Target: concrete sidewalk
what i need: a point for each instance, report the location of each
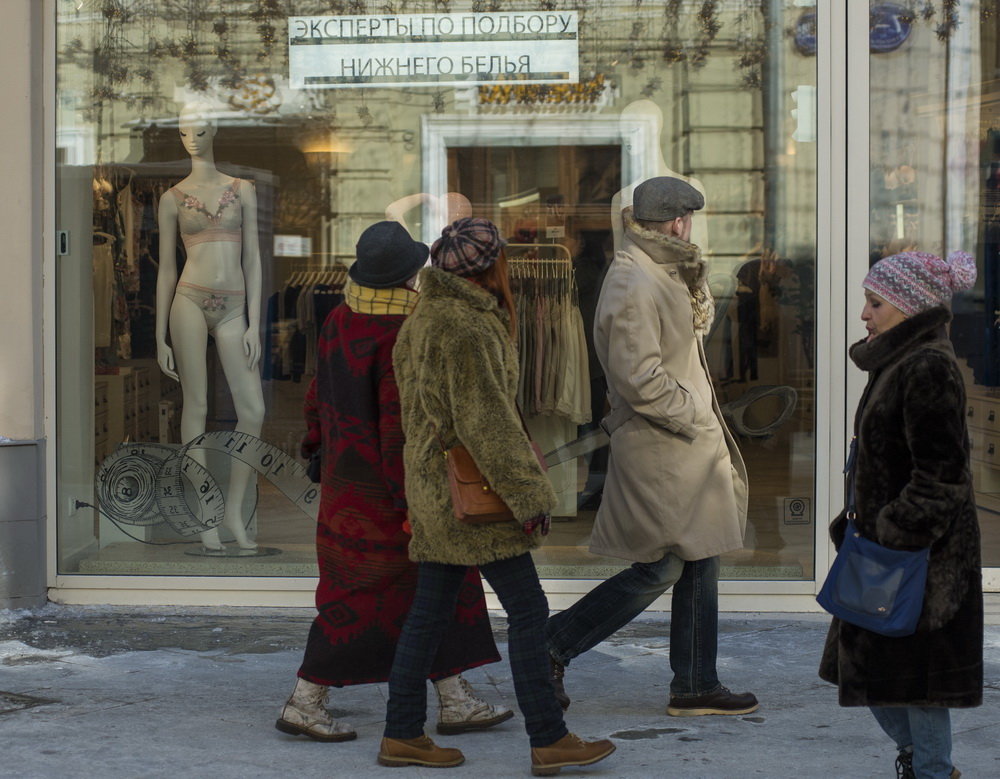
(154, 692)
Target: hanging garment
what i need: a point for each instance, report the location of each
(104, 283)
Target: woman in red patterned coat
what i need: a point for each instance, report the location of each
(366, 579)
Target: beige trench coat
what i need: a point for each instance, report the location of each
(676, 481)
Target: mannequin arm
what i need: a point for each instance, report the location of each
(395, 210)
(251, 273)
(166, 282)
(443, 210)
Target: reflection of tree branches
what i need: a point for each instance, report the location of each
(800, 294)
(710, 25)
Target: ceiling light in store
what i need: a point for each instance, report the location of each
(324, 142)
(520, 199)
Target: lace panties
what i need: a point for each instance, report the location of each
(217, 305)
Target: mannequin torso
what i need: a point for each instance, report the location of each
(218, 294)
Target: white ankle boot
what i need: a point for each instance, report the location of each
(461, 710)
(305, 714)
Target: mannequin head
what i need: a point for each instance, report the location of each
(457, 206)
(197, 128)
(644, 110)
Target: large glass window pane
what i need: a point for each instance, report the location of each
(541, 118)
(935, 157)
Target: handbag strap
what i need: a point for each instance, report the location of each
(852, 454)
(852, 458)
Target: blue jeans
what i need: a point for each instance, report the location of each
(924, 729)
(694, 618)
(515, 581)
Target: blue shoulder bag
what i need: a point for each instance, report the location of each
(871, 586)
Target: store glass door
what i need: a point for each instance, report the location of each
(935, 187)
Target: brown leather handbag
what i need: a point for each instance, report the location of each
(473, 500)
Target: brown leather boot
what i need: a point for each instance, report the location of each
(567, 751)
(397, 752)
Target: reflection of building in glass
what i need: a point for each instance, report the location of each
(723, 94)
(688, 89)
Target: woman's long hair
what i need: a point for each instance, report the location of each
(496, 279)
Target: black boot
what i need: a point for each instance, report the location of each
(904, 765)
(558, 672)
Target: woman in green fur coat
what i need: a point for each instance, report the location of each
(456, 367)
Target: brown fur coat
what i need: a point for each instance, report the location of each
(914, 489)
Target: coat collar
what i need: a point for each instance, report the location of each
(662, 249)
(686, 257)
(892, 344)
(437, 284)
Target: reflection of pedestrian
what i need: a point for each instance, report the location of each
(366, 579)
(675, 496)
(589, 268)
(457, 368)
(914, 490)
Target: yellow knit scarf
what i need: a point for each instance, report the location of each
(368, 300)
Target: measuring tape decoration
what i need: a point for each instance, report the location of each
(147, 484)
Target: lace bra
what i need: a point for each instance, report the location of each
(199, 225)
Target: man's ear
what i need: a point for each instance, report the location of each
(676, 226)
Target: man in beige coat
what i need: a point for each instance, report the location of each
(675, 497)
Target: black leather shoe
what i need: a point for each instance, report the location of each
(558, 672)
(719, 701)
(904, 766)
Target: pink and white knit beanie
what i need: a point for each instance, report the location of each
(916, 281)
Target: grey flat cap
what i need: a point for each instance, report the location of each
(665, 198)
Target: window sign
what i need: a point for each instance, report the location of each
(433, 49)
(292, 246)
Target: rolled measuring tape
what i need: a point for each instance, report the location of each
(148, 484)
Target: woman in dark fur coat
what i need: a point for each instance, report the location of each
(914, 490)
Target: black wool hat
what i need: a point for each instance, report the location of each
(386, 256)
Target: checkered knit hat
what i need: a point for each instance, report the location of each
(916, 281)
(467, 246)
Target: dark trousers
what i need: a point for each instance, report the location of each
(694, 617)
(515, 581)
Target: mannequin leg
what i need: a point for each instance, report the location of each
(248, 399)
(189, 337)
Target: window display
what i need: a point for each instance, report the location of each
(934, 161)
(222, 160)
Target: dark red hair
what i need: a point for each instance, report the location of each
(496, 279)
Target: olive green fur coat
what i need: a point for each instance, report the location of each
(457, 371)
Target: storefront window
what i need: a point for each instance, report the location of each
(320, 118)
(935, 186)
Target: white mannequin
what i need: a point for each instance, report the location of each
(442, 212)
(228, 265)
(645, 110)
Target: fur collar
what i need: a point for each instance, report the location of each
(671, 250)
(665, 249)
(891, 345)
(437, 284)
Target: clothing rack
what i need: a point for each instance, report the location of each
(309, 274)
(519, 254)
(541, 269)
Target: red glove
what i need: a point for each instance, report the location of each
(543, 521)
